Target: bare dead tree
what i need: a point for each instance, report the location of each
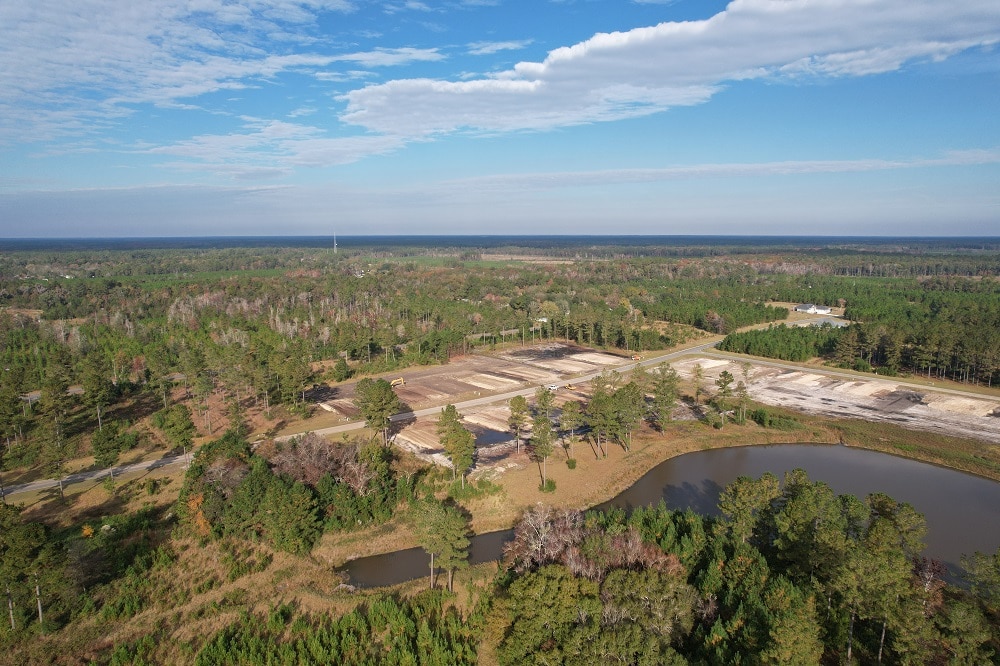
(543, 535)
(226, 474)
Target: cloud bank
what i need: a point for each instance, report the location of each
(613, 76)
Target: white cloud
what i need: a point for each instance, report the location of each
(303, 111)
(268, 149)
(72, 65)
(77, 67)
(390, 57)
(408, 5)
(646, 70)
(489, 48)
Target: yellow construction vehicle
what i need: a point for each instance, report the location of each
(399, 381)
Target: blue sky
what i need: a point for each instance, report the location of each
(309, 117)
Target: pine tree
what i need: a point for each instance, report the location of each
(106, 446)
(601, 418)
(518, 418)
(98, 390)
(458, 443)
(541, 441)
(794, 633)
(570, 420)
(746, 503)
(544, 399)
(629, 404)
(725, 386)
(377, 403)
(664, 395)
(698, 376)
(442, 530)
(340, 370)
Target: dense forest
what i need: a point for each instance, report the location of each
(104, 350)
(149, 313)
(943, 329)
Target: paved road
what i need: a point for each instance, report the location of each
(94, 475)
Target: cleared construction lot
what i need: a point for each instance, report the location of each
(474, 377)
(815, 391)
(829, 393)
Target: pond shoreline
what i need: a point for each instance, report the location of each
(606, 481)
(694, 480)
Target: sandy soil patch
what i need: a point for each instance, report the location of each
(488, 424)
(344, 407)
(420, 438)
(806, 390)
(860, 389)
(686, 366)
(913, 407)
(950, 403)
(491, 382)
(596, 358)
(495, 418)
(568, 366)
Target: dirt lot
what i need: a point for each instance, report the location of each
(820, 392)
(474, 377)
(826, 393)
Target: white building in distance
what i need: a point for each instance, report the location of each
(811, 308)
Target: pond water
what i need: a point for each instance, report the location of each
(962, 510)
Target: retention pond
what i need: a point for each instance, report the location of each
(961, 509)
